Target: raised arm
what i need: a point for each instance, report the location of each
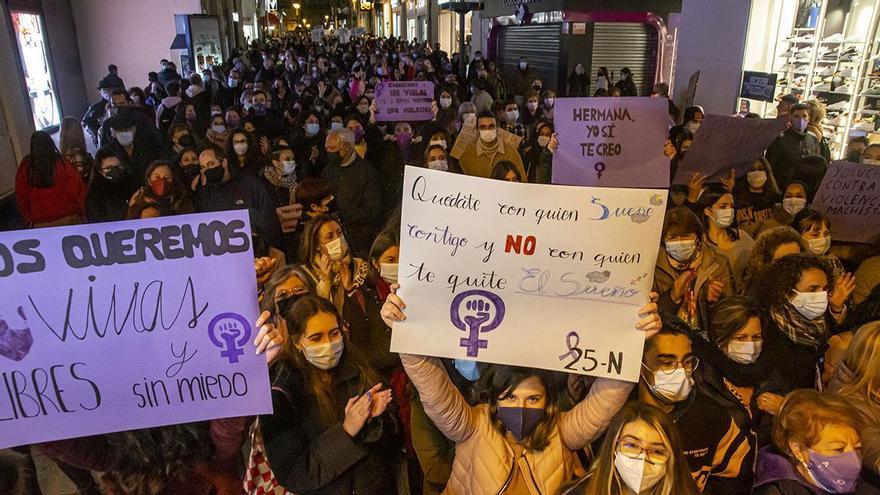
(442, 401)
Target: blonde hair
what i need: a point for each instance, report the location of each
(862, 359)
(816, 111)
(805, 413)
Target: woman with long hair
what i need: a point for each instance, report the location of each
(163, 194)
(722, 232)
(48, 190)
(330, 432)
(754, 195)
(327, 259)
(517, 438)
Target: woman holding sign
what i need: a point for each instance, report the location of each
(516, 440)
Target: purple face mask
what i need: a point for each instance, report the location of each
(835, 473)
(358, 135)
(520, 421)
(404, 140)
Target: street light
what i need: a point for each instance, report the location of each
(296, 7)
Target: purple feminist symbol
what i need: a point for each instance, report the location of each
(230, 332)
(15, 343)
(476, 317)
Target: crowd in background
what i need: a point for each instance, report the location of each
(761, 367)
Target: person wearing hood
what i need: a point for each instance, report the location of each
(112, 79)
(110, 188)
(167, 109)
(795, 143)
(266, 120)
(137, 144)
(739, 377)
(816, 448)
(201, 102)
(626, 84)
(168, 73)
(480, 158)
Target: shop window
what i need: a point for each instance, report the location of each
(38, 73)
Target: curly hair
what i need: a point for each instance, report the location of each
(765, 245)
(805, 413)
(777, 282)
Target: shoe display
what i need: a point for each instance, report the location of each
(863, 126)
(827, 71)
(834, 38)
(841, 105)
(846, 72)
(845, 89)
(802, 69)
(822, 87)
(802, 56)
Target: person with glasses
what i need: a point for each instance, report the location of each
(641, 455)
(709, 436)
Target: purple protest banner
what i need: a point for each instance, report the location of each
(611, 142)
(850, 196)
(408, 101)
(723, 143)
(126, 325)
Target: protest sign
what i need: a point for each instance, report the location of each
(404, 100)
(723, 142)
(850, 196)
(611, 142)
(533, 275)
(127, 325)
(758, 85)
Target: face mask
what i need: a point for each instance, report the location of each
(114, 174)
(439, 165)
(240, 148)
(757, 178)
(637, 473)
(324, 356)
(469, 118)
(388, 272)
(214, 175)
(744, 352)
(723, 218)
(358, 135)
(336, 125)
(288, 167)
(233, 123)
(334, 159)
(819, 246)
(549, 102)
(260, 108)
(445, 102)
(800, 125)
(364, 110)
(871, 161)
(693, 126)
(437, 143)
(219, 129)
(520, 421)
(512, 116)
(160, 187)
(125, 138)
(681, 251)
(404, 140)
(793, 205)
(523, 65)
(468, 369)
(190, 172)
(811, 305)
(532, 106)
(543, 141)
(336, 248)
(341, 83)
(232, 82)
(488, 135)
(312, 129)
(672, 387)
(135, 98)
(835, 473)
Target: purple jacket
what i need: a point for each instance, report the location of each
(775, 474)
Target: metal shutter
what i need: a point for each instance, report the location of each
(625, 44)
(540, 43)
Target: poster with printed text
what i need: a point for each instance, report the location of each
(408, 101)
(532, 275)
(850, 196)
(127, 325)
(611, 142)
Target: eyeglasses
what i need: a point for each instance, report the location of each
(631, 449)
(689, 364)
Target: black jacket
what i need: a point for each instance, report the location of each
(302, 152)
(311, 453)
(108, 201)
(786, 151)
(358, 193)
(243, 191)
(799, 366)
(91, 120)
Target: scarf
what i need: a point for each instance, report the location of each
(687, 312)
(488, 149)
(739, 374)
(798, 329)
(274, 177)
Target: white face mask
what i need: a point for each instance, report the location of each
(488, 135)
(523, 65)
(637, 473)
(336, 248)
(793, 205)
(125, 138)
(723, 218)
(388, 272)
(543, 141)
(469, 118)
(757, 178)
(532, 105)
(438, 143)
(693, 126)
(744, 352)
(240, 148)
(512, 116)
(445, 102)
(819, 246)
(681, 251)
(672, 387)
(439, 165)
(288, 167)
(811, 305)
(799, 125)
(324, 356)
(218, 128)
(232, 82)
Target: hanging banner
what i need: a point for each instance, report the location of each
(611, 142)
(723, 142)
(532, 275)
(408, 101)
(126, 325)
(850, 196)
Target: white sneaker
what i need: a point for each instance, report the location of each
(846, 72)
(827, 71)
(864, 126)
(834, 38)
(845, 89)
(841, 106)
(822, 87)
(802, 56)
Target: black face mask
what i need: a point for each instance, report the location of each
(186, 141)
(190, 172)
(214, 175)
(853, 156)
(114, 174)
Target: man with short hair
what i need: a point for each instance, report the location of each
(356, 188)
(786, 152)
(131, 141)
(522, 80)
(783, 108)
(488, 149)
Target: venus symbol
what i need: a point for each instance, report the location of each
(476, 312)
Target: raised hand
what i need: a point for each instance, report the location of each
(681, 284)
(392, 310)
(843, 287)
(649, 317)
(715, 290)
(270, 337)
(695, 187)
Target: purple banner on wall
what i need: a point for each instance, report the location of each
(611, 142)
(850, 196)
(408, 101)
(126, 325)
